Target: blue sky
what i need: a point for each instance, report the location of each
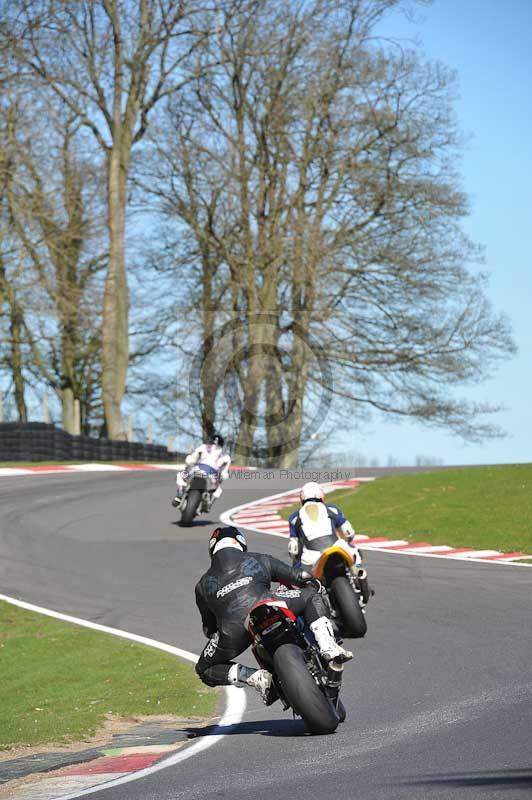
(488, 44)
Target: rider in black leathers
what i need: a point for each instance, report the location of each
(225, 593)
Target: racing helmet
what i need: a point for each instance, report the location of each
(311, 491)
(230, 532)
(217, 439)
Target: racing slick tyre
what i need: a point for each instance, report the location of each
(353, 622)
(302, 691)
(191, 507)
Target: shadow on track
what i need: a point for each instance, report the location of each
(509, 778)
(196, 523)
(266, 727)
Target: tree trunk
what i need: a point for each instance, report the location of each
(16, 361)
(69, 347)
(68, 411)
(286, 420)
(209, 371)
(116, 304)
(248, 418)
(291, 429)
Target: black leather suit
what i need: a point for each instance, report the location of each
(226, 592)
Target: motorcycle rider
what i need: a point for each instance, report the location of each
(235, 581)
(316, 526)
(211, 458)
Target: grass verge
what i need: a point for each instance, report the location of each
(59, 681)
(485, 508)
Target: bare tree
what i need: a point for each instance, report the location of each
(12, 357)
(111, 62)
(55, 220)
(314, 169)
(11, 308)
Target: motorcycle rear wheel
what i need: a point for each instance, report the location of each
(302, 691)
(191, 507)
(353, 621)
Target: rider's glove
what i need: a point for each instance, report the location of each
(301, 577)
(293, 546)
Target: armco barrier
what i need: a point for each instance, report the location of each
(39, 441)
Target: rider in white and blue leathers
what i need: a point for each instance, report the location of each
(212, 459)
(318, 525)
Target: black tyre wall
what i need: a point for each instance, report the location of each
(353, 621)
(302, 691)
(189, 512)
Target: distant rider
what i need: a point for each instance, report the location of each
(211, 458)
(316, 526)
(226, 592)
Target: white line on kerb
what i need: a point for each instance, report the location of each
(235, 698)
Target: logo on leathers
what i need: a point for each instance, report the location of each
(230, 587)
(212, 644)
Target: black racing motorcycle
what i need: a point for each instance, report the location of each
(302, 680)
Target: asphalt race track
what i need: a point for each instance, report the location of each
(439, 695)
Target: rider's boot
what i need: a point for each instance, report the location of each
(328, 646)
(259, 679)
(178, 497)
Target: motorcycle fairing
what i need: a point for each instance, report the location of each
(263, 609)
(335, 549)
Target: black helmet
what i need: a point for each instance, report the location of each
(218, 439)
(226, 533)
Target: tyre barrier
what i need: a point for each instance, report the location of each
(40, 441)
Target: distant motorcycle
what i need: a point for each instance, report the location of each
(198, 494)
(301, 679)
(347, 589)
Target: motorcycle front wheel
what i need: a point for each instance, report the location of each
(353, 621)
(191, 507)
(302, 691)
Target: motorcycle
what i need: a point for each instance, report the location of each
(347, 589)
(301, 679)
(197, 496)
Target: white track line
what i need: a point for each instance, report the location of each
(235, 698)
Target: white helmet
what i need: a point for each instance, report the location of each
(311, 491)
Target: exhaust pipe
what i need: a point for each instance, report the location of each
(334, 674)
(362, 578)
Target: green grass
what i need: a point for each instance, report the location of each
(58, 681)
(487, 508)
